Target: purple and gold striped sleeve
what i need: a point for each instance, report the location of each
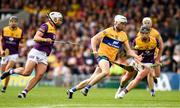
(43, 28)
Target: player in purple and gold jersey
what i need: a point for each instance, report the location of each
(151, 78)
(145, 44)
(37, 57)
(154, 33)
(10, 39)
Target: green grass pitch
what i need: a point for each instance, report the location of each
(54, 97)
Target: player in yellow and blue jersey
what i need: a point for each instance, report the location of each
(109, 41)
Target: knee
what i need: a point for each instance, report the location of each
(157, 74)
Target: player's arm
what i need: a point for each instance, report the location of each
(22, 41)
(95, 40)
(39, 36)
(130, 52)
(160, 47)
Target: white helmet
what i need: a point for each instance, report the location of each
(147, 21)
(54, 16)
(120, 18)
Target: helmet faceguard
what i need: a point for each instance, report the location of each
(120, 22)
(55, 17)
(144, 30)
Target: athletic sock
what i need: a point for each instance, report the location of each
(73, 89)
(4, 88)
(152, 90)
(25, 91)
(122, 86)
(88, 87)
(125, 90)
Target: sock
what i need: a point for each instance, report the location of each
(73, 89)
(25, 91)
(88, 87)
(4, 88)
(125, 90)
(152, 90)
(122, 86)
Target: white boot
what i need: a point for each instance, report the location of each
(121, 95)
(117, 92)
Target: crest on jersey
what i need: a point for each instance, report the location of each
(11, 39)
(147, 52)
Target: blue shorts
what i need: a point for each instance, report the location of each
(99, 58)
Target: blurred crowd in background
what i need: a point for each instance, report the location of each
(84, 18)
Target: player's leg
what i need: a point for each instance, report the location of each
(21, 71)
(3, 66)
(125, 78)
(83, 83)
(105, 67)
(40, 70)
(134, 82)
(156, 73)
(151, 82)
(9, 65)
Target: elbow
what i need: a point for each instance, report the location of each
(92, 40)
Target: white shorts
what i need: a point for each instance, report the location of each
(37, 56)
(12, 57)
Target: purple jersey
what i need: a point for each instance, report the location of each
(49, 33)
(11, 39)
(148, 55)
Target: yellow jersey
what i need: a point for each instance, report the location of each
(111, 43)
(154, 33)
(11, 39)
(147, 49)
